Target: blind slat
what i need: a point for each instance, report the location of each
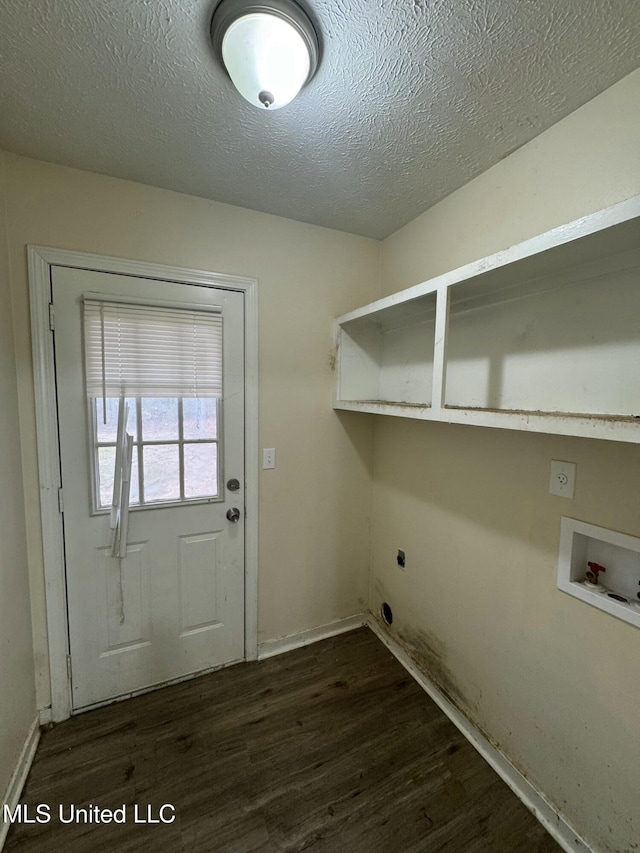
(147, 351)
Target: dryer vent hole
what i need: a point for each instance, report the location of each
(387, 613)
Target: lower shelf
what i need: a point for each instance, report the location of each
(553, 423)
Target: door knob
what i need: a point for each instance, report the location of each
(233, 514)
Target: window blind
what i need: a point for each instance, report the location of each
(148, 351)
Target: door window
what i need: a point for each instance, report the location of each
(165, 361)
(176, 451)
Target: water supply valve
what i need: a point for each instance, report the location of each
(593, 573)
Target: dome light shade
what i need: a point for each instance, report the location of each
(270, 50)
(266, 58)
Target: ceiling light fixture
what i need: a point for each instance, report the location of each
(270, 50)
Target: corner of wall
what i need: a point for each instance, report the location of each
(471, 505)
(17, 675)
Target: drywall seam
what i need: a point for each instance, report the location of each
(533, 799)
(19, 776)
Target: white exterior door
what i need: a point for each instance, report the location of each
(174, 605)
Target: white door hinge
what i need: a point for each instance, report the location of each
(69, 667)
(52, 316)
(60, 501)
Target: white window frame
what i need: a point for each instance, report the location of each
(41, 259)
(140, 442)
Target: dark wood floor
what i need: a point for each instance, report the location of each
(329, 748)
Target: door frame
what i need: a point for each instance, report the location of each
(41, 259)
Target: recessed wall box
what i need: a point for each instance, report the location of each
(581, 544)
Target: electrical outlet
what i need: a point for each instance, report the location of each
(562, 481)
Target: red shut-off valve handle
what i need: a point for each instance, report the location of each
(596, 568)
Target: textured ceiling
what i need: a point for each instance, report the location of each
(412, 99)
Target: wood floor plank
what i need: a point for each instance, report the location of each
(326, 749)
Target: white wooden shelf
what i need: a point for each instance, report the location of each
(387, 356)
(544, 336)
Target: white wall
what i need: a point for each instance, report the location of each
(314, 507)
(17, 695)
(549, 679)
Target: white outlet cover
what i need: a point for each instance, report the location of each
(562, 481)
(268, 457)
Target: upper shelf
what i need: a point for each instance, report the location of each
(544, 336)
(387, 355)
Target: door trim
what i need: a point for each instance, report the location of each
(41, 259)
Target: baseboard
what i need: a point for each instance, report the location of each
(304, 638)
(553, 822)
(19, 776)
(46, 716)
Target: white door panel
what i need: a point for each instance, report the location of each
(175, 604)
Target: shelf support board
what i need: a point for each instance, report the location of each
(439, 349)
